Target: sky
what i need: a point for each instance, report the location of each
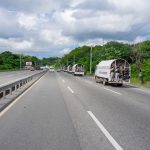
(46, 28)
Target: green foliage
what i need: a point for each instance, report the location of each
(49, 61)
(10, 61)
(111, 50)
(6, 60)
(146, 69)
(137, 55)
(115, 50)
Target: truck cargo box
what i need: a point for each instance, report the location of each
(114, 71)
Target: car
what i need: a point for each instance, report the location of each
(58, 70)
(32, 69)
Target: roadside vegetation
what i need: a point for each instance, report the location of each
(137, 55)
(12, 62)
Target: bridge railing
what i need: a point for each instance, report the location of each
(8, 89)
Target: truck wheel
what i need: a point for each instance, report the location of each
(104, 81)
(120, 84)
(96, 79)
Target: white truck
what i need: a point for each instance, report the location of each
(78, 69)
(115, 72)
(51, 69)
(69, 69)
(64, 68)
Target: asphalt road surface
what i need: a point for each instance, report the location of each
(63, 112)
(7, 77)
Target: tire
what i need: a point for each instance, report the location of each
(120, 84)
(96, 79)
(104, 82)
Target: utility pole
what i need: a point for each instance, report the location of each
(74, 59)
(20, 62)
(67, 61)
(103, 45)
(91, 60)
(35, 64)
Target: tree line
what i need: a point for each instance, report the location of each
(10, 61)
(138, 55)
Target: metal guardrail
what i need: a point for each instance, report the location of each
(14, 86)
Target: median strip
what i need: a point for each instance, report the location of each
(105, 132)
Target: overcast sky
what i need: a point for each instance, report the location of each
(53, 27)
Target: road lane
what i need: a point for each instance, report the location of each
(125, 88)
(90, 137)
(126, 117)
(39, 120)
(54, 114)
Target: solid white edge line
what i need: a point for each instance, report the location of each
(17, 99)
(113, 91)
(105, 132)
(70, 89)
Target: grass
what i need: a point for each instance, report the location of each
(137, 82)
(88, 74)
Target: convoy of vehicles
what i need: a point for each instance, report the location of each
(77, 69)
(115, 71)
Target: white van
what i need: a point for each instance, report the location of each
(115, 71)
(78, 69)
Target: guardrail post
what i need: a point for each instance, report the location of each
(1, 94)
(10, 90)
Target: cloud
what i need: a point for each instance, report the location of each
(65, 51)
(9, 26)
(51, 28)
(34, 6)
(139, 39)
(16, 44)
(29, 22)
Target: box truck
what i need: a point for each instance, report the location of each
(78, 69)
(115, 71)
(69, 69)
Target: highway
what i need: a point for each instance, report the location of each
(7, 77)
(64, 112)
